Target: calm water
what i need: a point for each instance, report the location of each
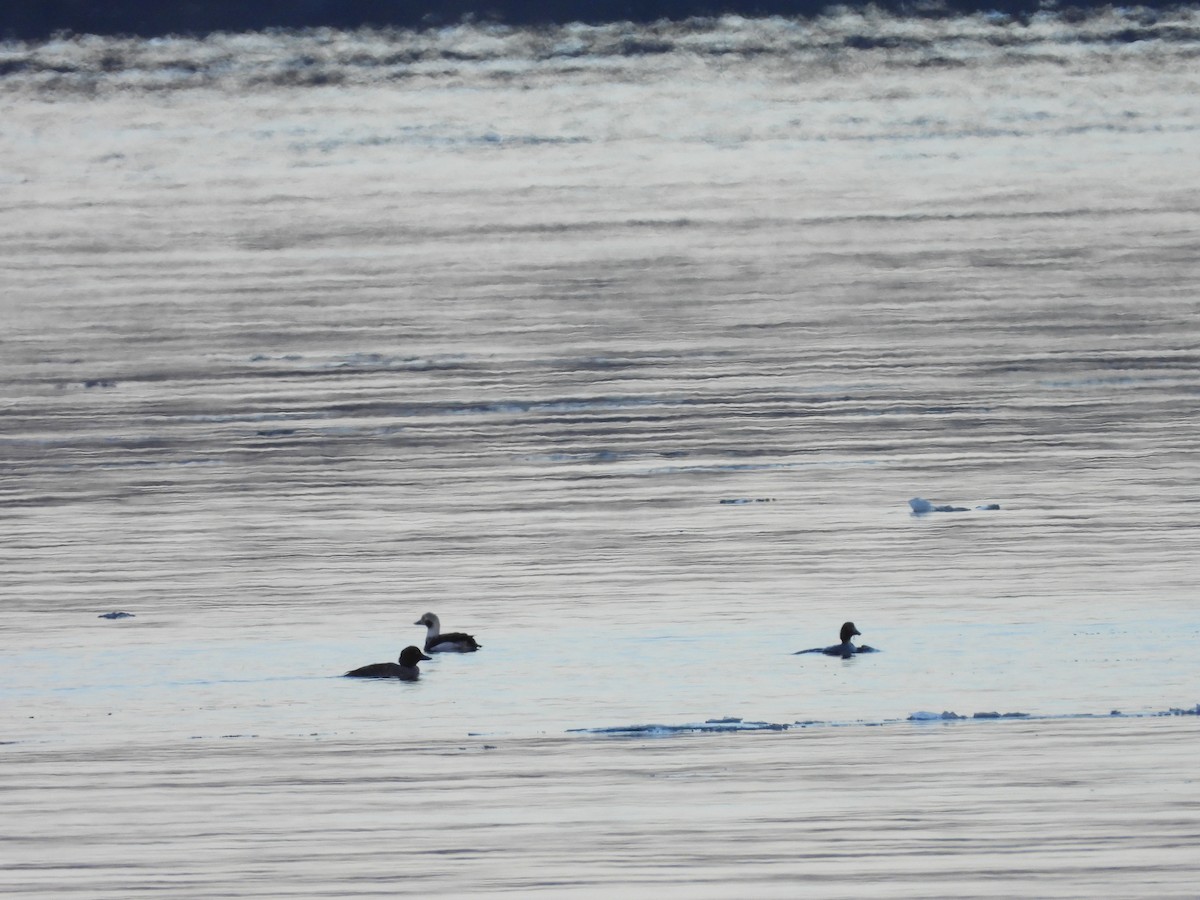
(625, 351)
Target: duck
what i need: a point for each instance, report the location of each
(451, 642)
(846, 648)
(405, 670)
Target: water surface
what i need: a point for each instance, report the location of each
(629, 363)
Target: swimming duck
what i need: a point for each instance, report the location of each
(451, 642)
(406, 670)
(846, 648)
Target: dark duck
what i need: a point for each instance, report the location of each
(405, 670)
(846, 648)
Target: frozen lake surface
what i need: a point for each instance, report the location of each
(626, 351)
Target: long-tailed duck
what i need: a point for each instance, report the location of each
(451, 642)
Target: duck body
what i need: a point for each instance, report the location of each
(406, 669)
(846, 648)
(450, 642)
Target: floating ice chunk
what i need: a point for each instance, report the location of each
(116, 614)
(920, 506)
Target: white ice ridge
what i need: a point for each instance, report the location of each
(732, 724)
(726, 724)
(920, 506)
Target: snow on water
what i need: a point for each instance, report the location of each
(620, 349)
